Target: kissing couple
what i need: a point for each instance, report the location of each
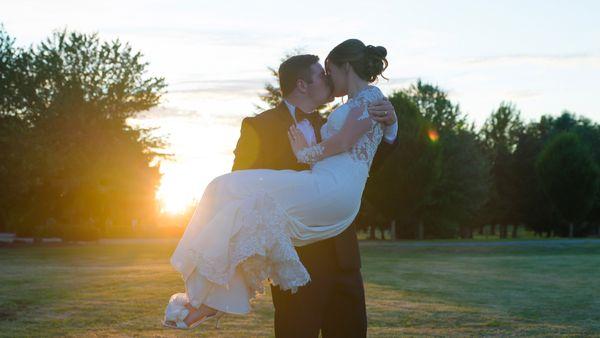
(284, 213)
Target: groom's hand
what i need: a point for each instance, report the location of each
(383, 111)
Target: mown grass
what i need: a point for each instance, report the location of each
(121, 289)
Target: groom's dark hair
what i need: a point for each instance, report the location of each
(294, 68)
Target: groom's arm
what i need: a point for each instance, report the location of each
(248, 150)
(383, 152)
(387, 145)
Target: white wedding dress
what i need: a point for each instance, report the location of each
(247, 223)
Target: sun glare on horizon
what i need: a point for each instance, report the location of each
(203, 150)
(182, 185)
(173, 194)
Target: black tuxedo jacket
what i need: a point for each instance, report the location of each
(264, 144)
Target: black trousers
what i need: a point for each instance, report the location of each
(333, 302)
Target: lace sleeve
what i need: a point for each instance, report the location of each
(357, 123)
(359, 103)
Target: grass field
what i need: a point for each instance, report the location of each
(412, 288)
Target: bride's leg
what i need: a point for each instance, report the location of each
(232, 298)
(197, 314)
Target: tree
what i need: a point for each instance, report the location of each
(533, 207)
(402, 188)
(72, 96)
(500, 134)
(435, 106)
(437, 179)
(463, 182)
(569, 177)
(464, 185)
(15, 163)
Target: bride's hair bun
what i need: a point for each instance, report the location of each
(375, 61)
(368, 62)
(379, 51)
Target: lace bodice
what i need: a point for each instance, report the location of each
(365, 148)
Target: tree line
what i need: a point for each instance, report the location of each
(449, 179)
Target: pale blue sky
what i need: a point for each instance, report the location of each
(542, 55)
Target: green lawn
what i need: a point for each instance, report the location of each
(434, 288)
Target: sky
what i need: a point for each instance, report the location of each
(544, 56)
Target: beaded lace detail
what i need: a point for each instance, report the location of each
(365, 148)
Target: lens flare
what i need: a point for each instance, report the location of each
(433, 135)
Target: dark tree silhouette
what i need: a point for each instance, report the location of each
(569, 177)
(75, 165)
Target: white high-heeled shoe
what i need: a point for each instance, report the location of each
(180, 324)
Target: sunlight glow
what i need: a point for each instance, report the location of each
(202, 145)
(183, 183)
(174, 194)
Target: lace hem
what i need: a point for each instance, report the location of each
(262, 247)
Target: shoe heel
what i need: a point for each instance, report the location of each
(218, 319)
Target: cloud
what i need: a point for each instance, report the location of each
(565, 60)
(521, 94)
(206, 36)
(211, 87)
(163, 112)
(397, 81)
(156, 114)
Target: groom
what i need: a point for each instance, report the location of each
(333, 302)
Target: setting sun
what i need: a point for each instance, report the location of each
(174, 193)
(201, 143)
(183, 182)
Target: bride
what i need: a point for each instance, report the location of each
(247, 222)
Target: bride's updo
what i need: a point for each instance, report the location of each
(367, 61)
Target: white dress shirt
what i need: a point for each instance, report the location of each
(389, 134)
(305, 127)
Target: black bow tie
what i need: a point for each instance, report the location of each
(300, 115)
(312, 118)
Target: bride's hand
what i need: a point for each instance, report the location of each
(383, 111)
(297, 139)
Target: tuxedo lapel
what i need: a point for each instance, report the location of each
(284, 115)
(319, 122)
